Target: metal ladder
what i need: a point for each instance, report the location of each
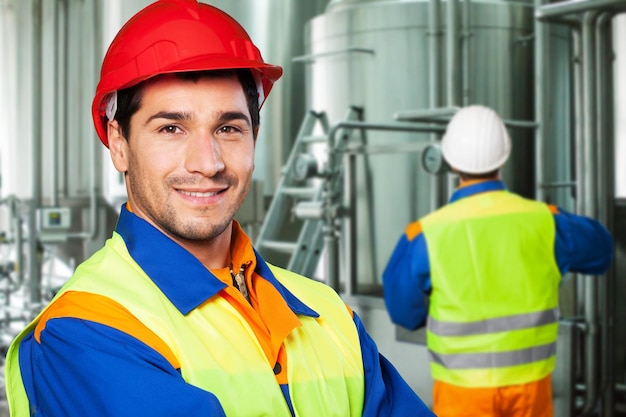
(291, 233)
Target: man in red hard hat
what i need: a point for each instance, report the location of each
(177, 315)
(486, 269)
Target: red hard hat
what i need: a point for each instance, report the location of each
(177, 36)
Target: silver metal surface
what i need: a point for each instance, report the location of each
(396, 78)
(564, 376)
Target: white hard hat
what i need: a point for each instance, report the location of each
(476, 141)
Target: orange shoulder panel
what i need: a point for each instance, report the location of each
(553, 209)
(350, 311)
(103, 310)
(413, 230)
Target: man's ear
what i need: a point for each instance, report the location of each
(118, 146)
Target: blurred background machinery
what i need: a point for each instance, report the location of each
(348, 149)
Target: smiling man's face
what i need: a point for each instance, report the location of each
(190, 156)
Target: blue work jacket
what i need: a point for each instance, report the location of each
(74, 366)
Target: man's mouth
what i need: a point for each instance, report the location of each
(199, 194)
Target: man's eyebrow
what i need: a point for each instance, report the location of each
(170, 115)
(234, 115)
(185, 116)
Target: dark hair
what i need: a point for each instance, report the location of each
(129, 99)
(487, 175)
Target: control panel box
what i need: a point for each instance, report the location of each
(54, 223)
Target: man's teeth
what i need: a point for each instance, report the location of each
(197, 194)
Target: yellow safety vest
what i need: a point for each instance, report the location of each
(325, 368)
(493, 314)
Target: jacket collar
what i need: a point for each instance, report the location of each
(475, 187)
(184, 280)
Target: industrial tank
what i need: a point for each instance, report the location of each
(378, 56)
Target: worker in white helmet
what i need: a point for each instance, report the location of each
(482, 273)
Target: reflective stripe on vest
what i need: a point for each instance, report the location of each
(498, 324)
(493, 315)
(323, 380)
(495, 359)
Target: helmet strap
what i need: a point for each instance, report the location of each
(258, 79)
(111, 106)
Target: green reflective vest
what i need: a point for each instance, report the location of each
(324, 380)
(493, 315)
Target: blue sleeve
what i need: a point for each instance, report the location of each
(386, 392)
(82, 368)
(406, 282)
(582, 244)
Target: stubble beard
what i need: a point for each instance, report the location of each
(206, 226)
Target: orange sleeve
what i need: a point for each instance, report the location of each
(103, 310)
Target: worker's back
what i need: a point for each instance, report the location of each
(495, 290)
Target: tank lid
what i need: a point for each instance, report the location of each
(336, 5)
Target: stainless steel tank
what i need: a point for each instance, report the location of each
(375, 55)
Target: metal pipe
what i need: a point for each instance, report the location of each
(312, 57)
(386, 148)
(93, 147)
(350, 204)
(35, 202)
(603, 89)
(452, 52)
(94, 25)
(589, 108)
(578, 159)
(466, 54)
(19, 241)
(434, 115)
(434, 64)
(63, 132)
(590, 207)
(580, 117)
(563, 8)
(521, 124)
(541, 93)
(395, 127)
(434, 48)
(56, 111)
(603, 71)
(570, 184)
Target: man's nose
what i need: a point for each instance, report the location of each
(204, 155)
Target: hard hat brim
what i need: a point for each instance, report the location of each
(269, 74)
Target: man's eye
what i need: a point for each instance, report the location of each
(170, 129)
(229, 129)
